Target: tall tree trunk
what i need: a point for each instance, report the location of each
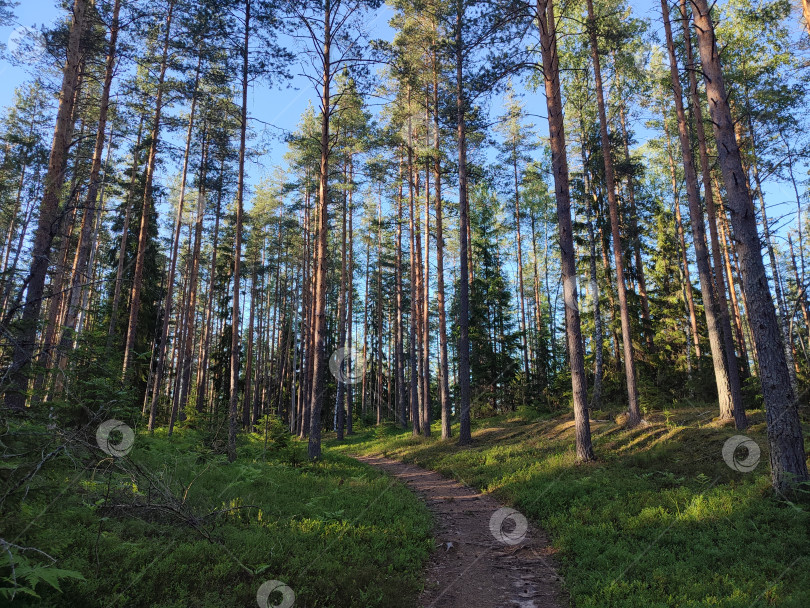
(636, 238)
(402, 392)
(86, 242)
(711, 210)
(122, 248)
(426, 406)
(202, 380)
(237, 249)
(137, 281)
(788, 462)
(598, 338)
(781, 307)
(633, 411)
(191, 306)
(444, 380)
(690, 301)
(350, 306)
(465, 431)
(25, 339)
(559, 163)
(319, 308)
(340, 415)
(414, 281)
(167, 307)
(728, 392)
(521, 295)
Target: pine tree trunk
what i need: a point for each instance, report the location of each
(444, 380)
(402, 392)
(426, 408)
(690, 301)
(728, 392)
(167, 307)
(191, 306)
(350, 311)
(340, 415)
(202, 379)
(781, 307)
(598, 338)
(319, 304)
(233, 419)
(521, 296)
(414, 284)
(137, 281)
(711, 211)
(25, 339)
(465, 431)
(559, 163)
(86, 242)
(788, 461)
(122, 248)
(633, 411)
(636, 238)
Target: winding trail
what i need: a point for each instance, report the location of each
(479, 563)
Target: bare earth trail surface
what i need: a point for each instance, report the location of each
(479, 563)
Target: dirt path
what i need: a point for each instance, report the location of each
(488, 556)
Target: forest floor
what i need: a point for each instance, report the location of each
(485, 557)
(658, 520)
(175, 525)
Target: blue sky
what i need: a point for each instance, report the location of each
(283, 107)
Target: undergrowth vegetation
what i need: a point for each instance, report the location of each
(174, 525)
(659, 520)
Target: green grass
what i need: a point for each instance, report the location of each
(337, 532)
(658, 520)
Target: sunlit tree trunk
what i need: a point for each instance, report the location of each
(233, 419)
(728, 392)
(711, 210)
(559, 163)
(25, 339)
(465, 431)
(788, 461)
(633, 411)
(140, 257)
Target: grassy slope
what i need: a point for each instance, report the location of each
(659, 520)
(338, 532)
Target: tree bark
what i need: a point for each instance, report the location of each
(728, 392)
(86, 242)
(465, 431)
(137, 281)
(233, 417)
(711, 211)
(319, 304)
(633, 411)
(788, 461)
(25, 339)
(167, 306)
(559, 163)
